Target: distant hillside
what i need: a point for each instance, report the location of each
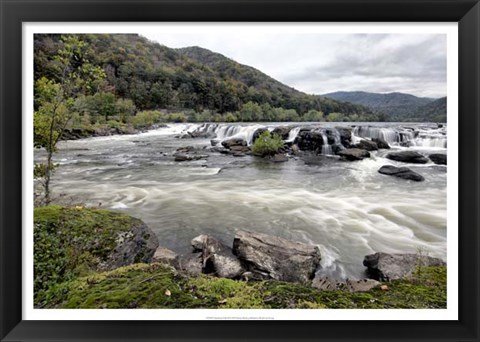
(397, 106)
(435, 111)
(154, 76)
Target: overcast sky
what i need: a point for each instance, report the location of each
(322, 63)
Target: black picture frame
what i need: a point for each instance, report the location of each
(14, 12)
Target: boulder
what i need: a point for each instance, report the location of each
(165, 255)
(408, 157)
(282, 131)
(271, 257)
(217, 258)
(366, 145)
(387, 267)
(381, 143)
(438, 158)
(353, 154)
(401, 172)
(309, 140)
(133, 246)
(229, 143)
(257, 133)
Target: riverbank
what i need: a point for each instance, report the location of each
(95, 258)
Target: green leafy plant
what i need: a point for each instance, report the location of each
(267, 144)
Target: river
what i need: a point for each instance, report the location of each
(348, 209)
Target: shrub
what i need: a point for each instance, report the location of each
(267, 144)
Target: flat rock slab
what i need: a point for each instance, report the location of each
(329, 284)
(438, 158)
(353, 154)
(272, 257)
(401, 172)
(387, 267)
(408, 157)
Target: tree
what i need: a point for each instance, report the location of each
(55, 98)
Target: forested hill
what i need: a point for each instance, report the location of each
(396, 106)
(154, 76)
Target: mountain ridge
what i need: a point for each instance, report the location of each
(397, 106)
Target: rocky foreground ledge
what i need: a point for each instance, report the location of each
(93, 258)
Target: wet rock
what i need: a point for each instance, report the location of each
(309, 140)
(438, 158)
(345, 136)
(182, 157)
(401, 172)
(278, 158)
(381, 143)
(407, 143)
(163, 254)
(214, 142)
(366, 145)
(185, 149)
(234, 142)
(217, 258)
(271, 257)
(239, 148)
(294, 149)
(408, 157)
(257, 133)
(353, 154)
(282, 131)
(387, 267)
(220, 149)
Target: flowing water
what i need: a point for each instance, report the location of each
(348, 209)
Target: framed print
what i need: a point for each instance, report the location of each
(273, 169)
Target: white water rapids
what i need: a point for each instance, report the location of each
(348, 209)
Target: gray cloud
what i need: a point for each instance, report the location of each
(322, 63)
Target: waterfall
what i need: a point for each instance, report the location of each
(326, 148)
(387, 134)
(293, 134)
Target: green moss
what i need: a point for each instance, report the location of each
(71, 242)
(145, 286)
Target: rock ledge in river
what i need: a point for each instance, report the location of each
(401, 172)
